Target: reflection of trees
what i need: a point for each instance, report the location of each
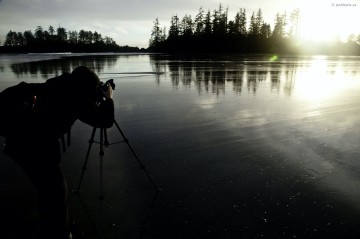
(213, 75)
(48, 68)
(290, 81)
(158, 67)
(254, 75)
(238, 81)
(275, 80)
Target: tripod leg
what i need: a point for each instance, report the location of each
(122, 134)
(101, 154)
(106, 142)
(136, 157)
(91, 141)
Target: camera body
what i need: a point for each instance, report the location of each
(104, 91)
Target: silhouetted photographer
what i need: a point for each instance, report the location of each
(34, 117)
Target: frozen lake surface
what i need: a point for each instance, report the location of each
(241, 146)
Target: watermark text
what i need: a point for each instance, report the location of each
(344, 5)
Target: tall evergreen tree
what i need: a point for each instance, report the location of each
(89, 37)
(223, 21)
(163, 34)
(242, 22)
(207, 23)
(97, 37)
(39, 33)
(219, 22)
(265, 31)
(280, 24)
(259, 22)
(82, 36)
(51, 30)
(21, 39)
(11, 39)
(155, 34)
(186, 26)
(252, 27)
(73, 37)
(29, 38)
(256, 22)
(174, 27)
(61, 34)
(294, 21)
(199, 22)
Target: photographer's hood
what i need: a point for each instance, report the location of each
(85, 81)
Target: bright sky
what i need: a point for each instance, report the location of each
(129, 22)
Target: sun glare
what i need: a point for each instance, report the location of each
(320, 81)
(326, 21)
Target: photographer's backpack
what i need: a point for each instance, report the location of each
(16, 104)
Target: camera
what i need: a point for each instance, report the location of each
(103, 90)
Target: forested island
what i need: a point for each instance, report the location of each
(60, 40)
(208, 32)
(214, 32)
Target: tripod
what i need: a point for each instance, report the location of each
(104, 143)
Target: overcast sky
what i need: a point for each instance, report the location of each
(128, 22)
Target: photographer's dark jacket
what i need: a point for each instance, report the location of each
(49, 111)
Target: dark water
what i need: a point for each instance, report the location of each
(242, 146)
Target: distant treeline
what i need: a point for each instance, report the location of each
(61, 40)
(213, 32)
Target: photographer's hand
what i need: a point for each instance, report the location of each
(109, 92)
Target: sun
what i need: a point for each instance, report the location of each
(323, 20)
(323, 81)
(315, 84)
